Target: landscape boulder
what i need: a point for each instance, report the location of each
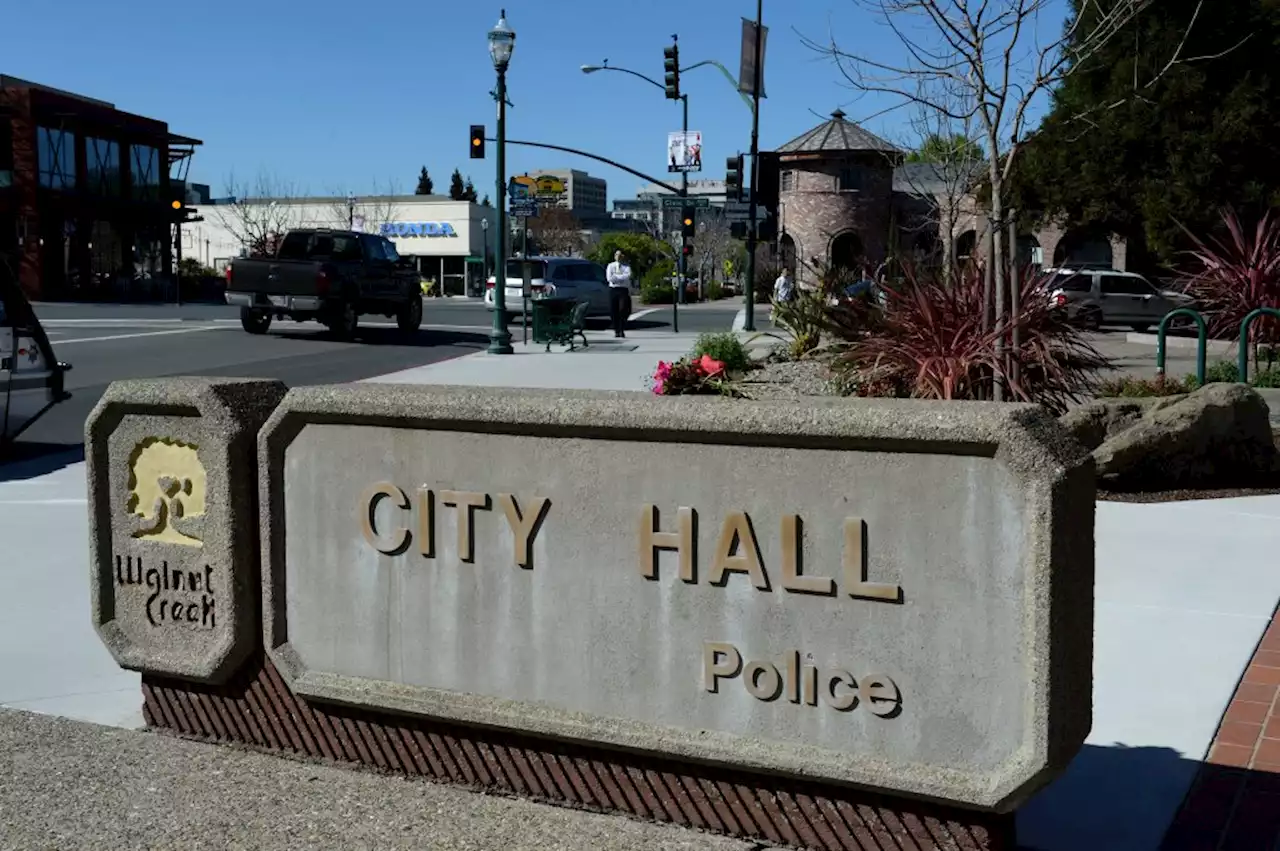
(1220, 435)
(1101, 419)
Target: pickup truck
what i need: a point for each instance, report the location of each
(332, 276)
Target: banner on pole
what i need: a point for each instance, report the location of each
(747, 67)
(684, 151)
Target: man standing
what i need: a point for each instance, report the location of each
(784, 290)
(618, 275)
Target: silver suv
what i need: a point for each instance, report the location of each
(1097, 297)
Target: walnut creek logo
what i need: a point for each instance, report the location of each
(167, 491)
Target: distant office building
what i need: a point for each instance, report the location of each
(584, 195)
(86, 194)
(647, 207)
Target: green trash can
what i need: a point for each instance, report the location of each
(552, 321)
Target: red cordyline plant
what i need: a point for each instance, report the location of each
(1231, 276)
(930, 344)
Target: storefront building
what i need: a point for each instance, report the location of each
(448, 241)
(85, 195)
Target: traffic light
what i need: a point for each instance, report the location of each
(477, 141)
(671, 67)
(688, 249)
(687, 221)
(768, 177)
(184, 213)
(733, 178)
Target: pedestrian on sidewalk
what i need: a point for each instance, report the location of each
(618, 275)
(784, 289)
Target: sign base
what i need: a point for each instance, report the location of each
(256, 708)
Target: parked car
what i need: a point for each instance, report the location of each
(332, 276)
(1097, 297)
(31, 379)
(561, 277)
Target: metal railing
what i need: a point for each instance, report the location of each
(1242, 356)
(1202, 340)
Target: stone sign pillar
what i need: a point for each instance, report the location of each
(173, 521)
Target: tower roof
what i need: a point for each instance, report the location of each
(837, 135)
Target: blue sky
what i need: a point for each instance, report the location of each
(331, 97)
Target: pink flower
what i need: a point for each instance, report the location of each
(663, 372)
(710, 365)
(659, 388)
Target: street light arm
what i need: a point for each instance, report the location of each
(648, 80)
(728, 76)
(640, 174)
(591, 69)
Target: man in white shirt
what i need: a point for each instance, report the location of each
(618, 274)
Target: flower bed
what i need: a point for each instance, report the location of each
(693, 375)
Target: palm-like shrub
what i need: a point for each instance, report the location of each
(1235, 274)
(929, 342)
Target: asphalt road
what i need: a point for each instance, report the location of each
(106, 343)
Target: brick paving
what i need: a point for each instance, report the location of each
(1234, 802)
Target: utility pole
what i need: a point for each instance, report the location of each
(177, 270)
(684, 257)
(750, 324)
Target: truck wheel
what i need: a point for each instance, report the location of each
(409, 316)
(344, 323)
(254, 321)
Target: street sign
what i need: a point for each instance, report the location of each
(525, 208)
(676, 202)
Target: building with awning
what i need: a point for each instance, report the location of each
(86, 194)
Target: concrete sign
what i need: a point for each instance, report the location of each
(172, 521)
(891, 594)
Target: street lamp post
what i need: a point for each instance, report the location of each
(351, 211)
(502, 41)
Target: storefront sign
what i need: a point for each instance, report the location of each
(391, 230)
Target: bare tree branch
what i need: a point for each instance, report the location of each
(557, 232)
(258, 214)
(366, 213)
(965, 62)
(713, 243)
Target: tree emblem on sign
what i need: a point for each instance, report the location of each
(167, 491)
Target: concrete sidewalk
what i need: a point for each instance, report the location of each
(606, 363)
(51, 660)
(72, 786)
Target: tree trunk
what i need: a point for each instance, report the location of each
(1015, 300)
(997, 261)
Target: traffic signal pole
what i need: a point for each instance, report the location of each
(684, 257)
(177, 270)
(750, 323)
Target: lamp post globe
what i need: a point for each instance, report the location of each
(502, 41)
